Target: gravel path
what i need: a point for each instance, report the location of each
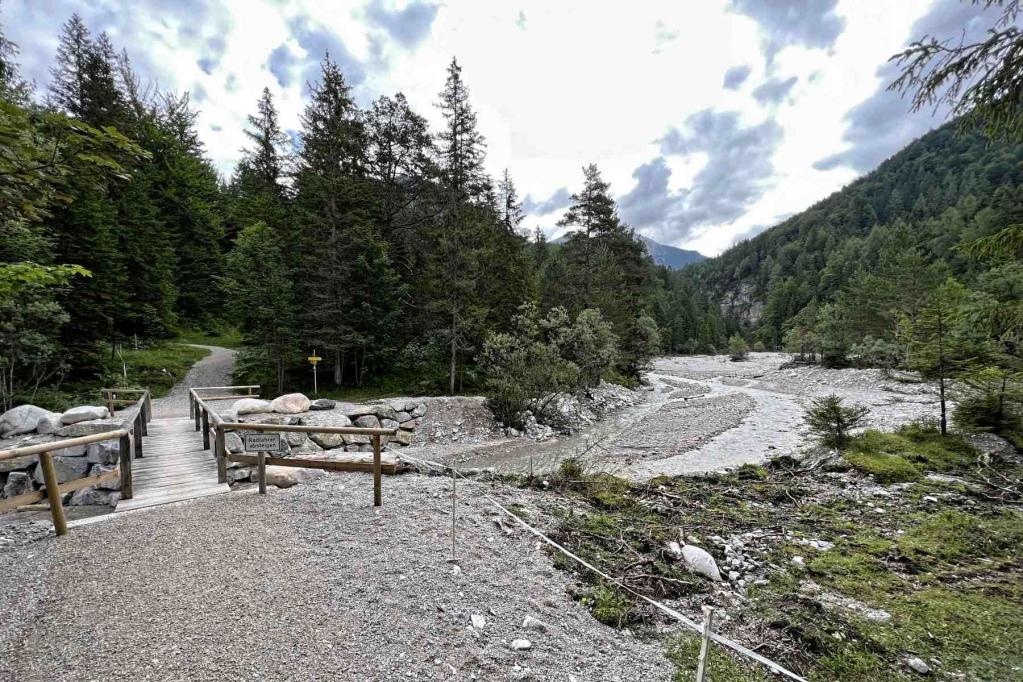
(213, 370)
(309, 583)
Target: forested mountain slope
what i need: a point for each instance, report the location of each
(941, 190)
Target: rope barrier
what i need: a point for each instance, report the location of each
(664, 608)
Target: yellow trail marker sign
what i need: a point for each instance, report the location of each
(313, 359)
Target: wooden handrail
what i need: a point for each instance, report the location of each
(206, 420)
(223, 388)
(133, 426)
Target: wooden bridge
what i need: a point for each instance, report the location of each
(168, 460)
(175, 467)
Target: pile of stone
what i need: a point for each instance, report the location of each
(297, 409)
(30, 425)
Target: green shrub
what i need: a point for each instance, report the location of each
(609, 606)
(831, 420)
(885, 468)
(954, 535)
(903, 455)
(738, 349)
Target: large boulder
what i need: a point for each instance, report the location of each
(389, 424)
(328, 441)
(233, 442)
(322, 404)
(251, 406)
(291, 403)
(368, 421)
(356, 411)
(18, 483)
(419, 410)
(17, 463)
(402, 438)
(386, 412)
(67, 469)
(88, 428)
(23, 419)
(93, 496)
(699, 560)
(111, 484)
(106, 452)
(49, 424)
(285, 477)
(356, 439)
(84, 413)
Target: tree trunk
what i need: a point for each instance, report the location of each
(454, 353)
(337, 368)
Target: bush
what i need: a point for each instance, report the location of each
(738, 349)
(990, 399)
(528, 367)
(832, 421)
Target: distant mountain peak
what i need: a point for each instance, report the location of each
(662, 254)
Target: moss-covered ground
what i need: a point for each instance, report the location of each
(938, 556)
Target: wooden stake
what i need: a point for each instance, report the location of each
(708, 621)
(454, 498)
(377, 495)
(205, 429)
(53, 494)
(261, 471)
(138, 435)
(219, 451)
(124, 456)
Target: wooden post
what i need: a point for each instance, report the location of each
(196, 414)
(149, 406)
(124, 456)
(191, 405)
(219, 451)
(144, 411)
(376, 471)
(53, 494)
(261, 471)
(205, 429)
(137, 430)
(110, 400)
(708, 621)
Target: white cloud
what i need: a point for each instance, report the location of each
(555, 85)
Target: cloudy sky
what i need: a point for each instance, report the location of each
(712, 120)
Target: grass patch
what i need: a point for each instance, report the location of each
(157, 368)
(226, 338)
(952, 536)
(684, 652)
(905, 454)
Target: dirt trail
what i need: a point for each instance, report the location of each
(213, 370)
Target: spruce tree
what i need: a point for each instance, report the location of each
(510, 207)
(258, 192)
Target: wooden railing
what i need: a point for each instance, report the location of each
(129, 437)
(207, 421)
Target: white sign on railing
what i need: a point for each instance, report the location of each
(262, 442)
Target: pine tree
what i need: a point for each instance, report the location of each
(351, 298)
(462, 146)
(258, 190)
(12, 87)
(510, 206)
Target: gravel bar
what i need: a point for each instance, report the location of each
(309, 583)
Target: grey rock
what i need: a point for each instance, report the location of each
(91, 496)
(386, 412)
(251, 406)
(360, 411)
(296, 439)
(239, 474)
(402, 438)
(368, 421)
(112, 484)
(521, 644)
(18, 483)
(322, 404)
(290, 403)
(389, 424)
(106, 452)
(233, 442)
(49, 424)
(84, 413)
(402, 417)
(17, 463)
(66, 468)
(919, 665)
(533, 623)
(328, 441)
(699, 560)
(419, 410)
(355, 439)
(88, 428)
(22, 419)
(285, 477)
(73, 451)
